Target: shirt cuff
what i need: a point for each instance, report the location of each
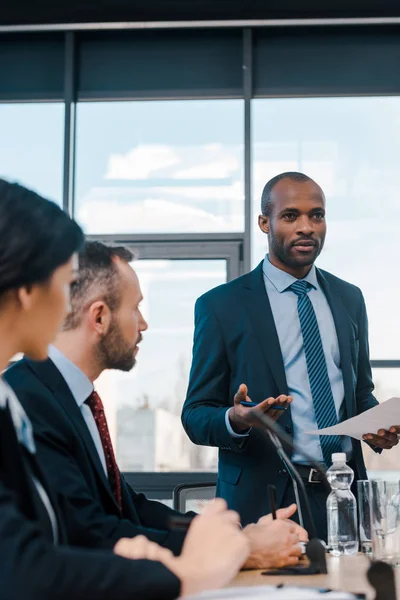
(230, 430)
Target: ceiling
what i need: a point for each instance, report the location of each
(18, 12)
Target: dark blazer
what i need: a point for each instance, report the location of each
(236, 342)
(71, 463)
(33, 568)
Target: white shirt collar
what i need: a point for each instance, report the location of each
(80, 385)
(282, 280)
(20, 419)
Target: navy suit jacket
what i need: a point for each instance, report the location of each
(236, 342)
(70, 461)
(32, 568)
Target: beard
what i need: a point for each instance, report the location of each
(284, 252)
(113, 350)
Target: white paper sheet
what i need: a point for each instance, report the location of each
(382, 416)
(268, 592)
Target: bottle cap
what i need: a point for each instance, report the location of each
(339, 457)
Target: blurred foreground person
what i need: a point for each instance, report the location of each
(38, 243)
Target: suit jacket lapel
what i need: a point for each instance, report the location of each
(342, 325)
(52, 378)
(258, 307)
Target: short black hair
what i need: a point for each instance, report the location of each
(98, 279)
(266, 202)
(36, 237)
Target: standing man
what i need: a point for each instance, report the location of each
(103, 331)
(285, 328)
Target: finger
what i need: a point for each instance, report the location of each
(241, 394)
(395, 429)
(301, 533)
(392, 437)
(291, 560)
(369, 437)
(380, 442)
(154, 551)
(295, 546)
(287, 512)
(132, 548)
(265, 405)
(282, 399)
(217, 506)
(231, 516)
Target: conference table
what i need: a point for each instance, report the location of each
(346, 573)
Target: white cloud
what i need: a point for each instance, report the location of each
(99, 214)
(141, 162)
(214, 170)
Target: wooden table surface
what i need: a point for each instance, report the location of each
(346, 573)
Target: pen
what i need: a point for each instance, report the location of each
(272, 500)
(251, 404)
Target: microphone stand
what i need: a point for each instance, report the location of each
(379, 574)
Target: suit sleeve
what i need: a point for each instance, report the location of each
(208, 396)
(87, 523)
(365, 387)
(33, 569)
(156, 515)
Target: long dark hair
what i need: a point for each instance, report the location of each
(36, 237)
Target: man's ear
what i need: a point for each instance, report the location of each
(263, 223)
(99, 317)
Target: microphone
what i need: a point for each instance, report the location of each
(379, 574)
(315, 550)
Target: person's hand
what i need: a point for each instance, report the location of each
(273, 545)
(140, 547)
(214, 550)
(242, 417)
(384, 439)
(284, 514)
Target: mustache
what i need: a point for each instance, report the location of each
(139, 339)
(310, 240)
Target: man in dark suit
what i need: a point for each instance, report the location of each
(74, 447)
(285, 328)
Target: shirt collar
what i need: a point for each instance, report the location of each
(80, 385)
(22, 424)
(282, 280)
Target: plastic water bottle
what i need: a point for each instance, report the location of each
(341, 508)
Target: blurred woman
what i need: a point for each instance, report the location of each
(38, 246)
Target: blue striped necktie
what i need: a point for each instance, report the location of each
(321, 391)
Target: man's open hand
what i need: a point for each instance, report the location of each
(242, 417)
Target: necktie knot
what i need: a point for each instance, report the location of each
(300, 287)
(95, 403)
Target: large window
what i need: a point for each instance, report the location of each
(160, 167)
(144, 406)
(157, 154)
(31, 146)
(351, 147)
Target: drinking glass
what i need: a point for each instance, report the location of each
(385, 521)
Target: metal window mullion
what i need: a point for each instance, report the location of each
(69, 122)
(247, 92)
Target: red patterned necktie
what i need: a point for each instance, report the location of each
(96, 406)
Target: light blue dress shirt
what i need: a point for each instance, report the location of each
(81, 387)
(284, 310)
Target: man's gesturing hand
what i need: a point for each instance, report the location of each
(242, 417)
